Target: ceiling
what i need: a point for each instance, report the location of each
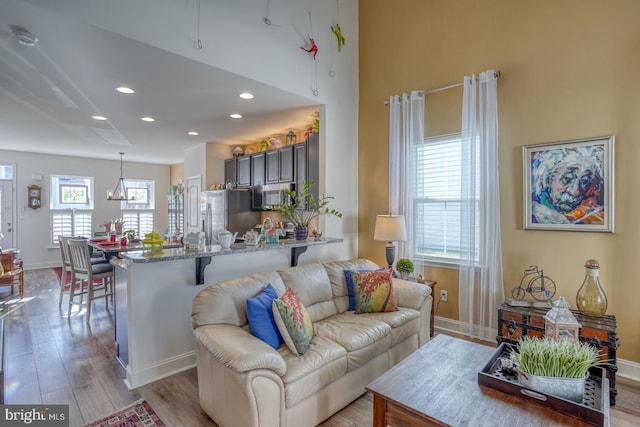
(48, 93)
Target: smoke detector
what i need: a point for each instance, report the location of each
(23, 36)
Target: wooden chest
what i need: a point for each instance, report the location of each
(599, 331)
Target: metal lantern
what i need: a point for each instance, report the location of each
(560, 323)
(291, 138)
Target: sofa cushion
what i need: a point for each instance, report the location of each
(373, 291)
(322, 363)
(349, 278)
(363, 337)
(335, 271)
(294, 322)
(260, 315)
(312, 285)
(404, 322)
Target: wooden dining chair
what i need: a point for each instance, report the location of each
(84, 275)
(11, 271)
(65, 282)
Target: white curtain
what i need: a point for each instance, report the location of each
(481, 288)
(406, 127)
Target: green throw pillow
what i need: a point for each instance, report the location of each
(294, 322)
(373, 291)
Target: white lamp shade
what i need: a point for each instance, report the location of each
(390, 228)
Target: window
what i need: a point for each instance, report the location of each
(71, 205)
(437, 200)
(138, 214)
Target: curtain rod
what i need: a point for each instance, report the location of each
(438, 89)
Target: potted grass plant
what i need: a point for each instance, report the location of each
(301, 207)
(556, 367)
(404, 267)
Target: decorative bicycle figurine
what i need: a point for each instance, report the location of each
(541, 287)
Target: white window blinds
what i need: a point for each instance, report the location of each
(436, 198)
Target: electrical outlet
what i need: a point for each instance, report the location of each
(444, 296)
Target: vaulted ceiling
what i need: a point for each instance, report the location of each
(50, 91)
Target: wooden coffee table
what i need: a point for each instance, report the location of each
(438, 386)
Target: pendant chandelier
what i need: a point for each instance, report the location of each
(119, 193)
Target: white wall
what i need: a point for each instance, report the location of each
(32, 226)
(236, 39)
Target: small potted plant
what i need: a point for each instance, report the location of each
(555, 367)
(404, 267)
(301, 207)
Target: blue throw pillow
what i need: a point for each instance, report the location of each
(349, 277)
(260, 315)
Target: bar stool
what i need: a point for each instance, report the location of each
(65, 285)
(84, 274)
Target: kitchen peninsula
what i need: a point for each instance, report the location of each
(154, 292)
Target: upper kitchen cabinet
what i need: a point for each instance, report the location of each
(230, 170)
(306, 160)
(279, 165)
(258, 169)
(243, 172)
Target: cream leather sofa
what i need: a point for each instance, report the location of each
(245, 382)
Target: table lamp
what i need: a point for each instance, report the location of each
(390, 228)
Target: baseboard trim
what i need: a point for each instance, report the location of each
(626, 368)
(160, 370)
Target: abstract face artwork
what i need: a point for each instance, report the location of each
(569, 185)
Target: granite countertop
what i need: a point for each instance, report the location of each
(215, 250)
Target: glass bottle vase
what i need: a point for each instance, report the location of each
(591, 298)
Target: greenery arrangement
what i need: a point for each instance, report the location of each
(404, 265)
(555, 358)
(293, 206)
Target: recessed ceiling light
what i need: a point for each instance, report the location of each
(193, 133)
(124, 89)
(246, 95)
(147, 119)
(98, 117)
(235, 116)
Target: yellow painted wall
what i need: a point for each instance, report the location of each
(569, 71)
(177, 173)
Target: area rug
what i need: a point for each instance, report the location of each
(58, 271)
(139, 414)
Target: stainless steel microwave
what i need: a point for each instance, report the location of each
(265, 196)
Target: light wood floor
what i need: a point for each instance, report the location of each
(52, 359)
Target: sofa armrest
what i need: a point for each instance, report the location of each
(410, 294)
(237, 349)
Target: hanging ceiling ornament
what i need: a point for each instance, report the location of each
(312, 49)
(335, 29)
(198, 43)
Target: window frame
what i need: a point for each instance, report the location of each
(451, 238)
(78, 211)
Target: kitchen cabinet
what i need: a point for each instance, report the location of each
(230, 170)
(243, 171)
(279, 165)
(306, 161)
(258, 169)
(272, 167)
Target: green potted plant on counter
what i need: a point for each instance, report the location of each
(404, 267)
(301, 207)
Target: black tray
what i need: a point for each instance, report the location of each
(594, 409)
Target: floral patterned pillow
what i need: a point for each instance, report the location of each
(373, 291)
(294, 322)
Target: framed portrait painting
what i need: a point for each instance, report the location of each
(569, 185)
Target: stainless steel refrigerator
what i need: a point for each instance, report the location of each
(227, 209)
